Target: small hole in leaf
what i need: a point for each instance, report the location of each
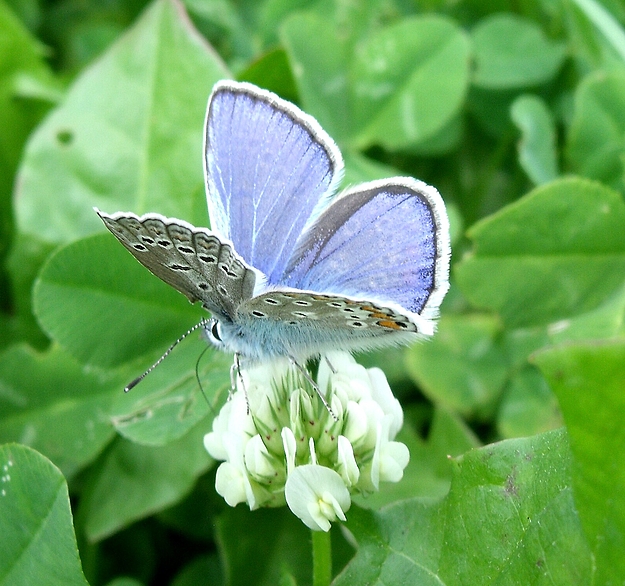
(65, 137)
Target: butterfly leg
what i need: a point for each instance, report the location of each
(334, 371)
(314, 385)
(235, 373)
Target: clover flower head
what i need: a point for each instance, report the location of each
(279, 444)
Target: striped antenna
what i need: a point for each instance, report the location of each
(167, 352)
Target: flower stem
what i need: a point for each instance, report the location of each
(322, 558)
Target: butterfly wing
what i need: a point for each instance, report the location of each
(385, 241)
(192, 260)
(301, 324)
(267, 166)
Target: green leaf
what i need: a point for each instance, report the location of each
(272, 13)
(557, 252)
(491, 109)
(192, 382)
(50, 403)
(446, 140)
(21, 64)
(23, 60)
(128, 136)
(359, 168)
(509, 518)
(321, 44)
(399, 96)
(589, 46)
(229, 28)
(463, 368)
(194, 516)
(513, 52)
(39, 545)
(28, 11)
(105, 308)
(537, 147)
(429, 471)
(22, 266)
(251, 558)
(319, 60)
(596, 144)
(383, 87)
(527, 406)
(605, 321)
(271, 71)
(589, 378)
(134, 481)
(609, 27)
(204, 569)
(124, 581)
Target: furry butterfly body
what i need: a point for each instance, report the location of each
(285, 270)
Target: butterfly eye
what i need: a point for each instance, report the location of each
(215, 331)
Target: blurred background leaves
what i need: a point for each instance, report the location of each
(513, 111)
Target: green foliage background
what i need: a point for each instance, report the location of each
(514, 110)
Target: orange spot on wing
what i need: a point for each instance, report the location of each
(387, 323)
(379, 315)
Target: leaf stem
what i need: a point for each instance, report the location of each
(322, 558)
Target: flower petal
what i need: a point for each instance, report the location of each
(344, 375)
(346, 462)
(261, 465)
(356, 423)
(382, 394)
(394, 458)
(233, 418)
(231, 484)
(317, 495)
(290, 449)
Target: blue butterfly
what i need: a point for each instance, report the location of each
(287, 270)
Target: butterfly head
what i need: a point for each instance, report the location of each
(228, 336)
(213, 332)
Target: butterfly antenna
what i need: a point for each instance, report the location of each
(314, 386)
(197, 378)
(167, 352)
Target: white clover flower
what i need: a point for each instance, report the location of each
(317, 495)
(232, 481)
(232, 418)
(279, 443)
(347, 466)
(290, 449)
(356, 424)
(262, 466)
(381, 393)
(388, 462)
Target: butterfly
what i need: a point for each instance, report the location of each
(288, 270)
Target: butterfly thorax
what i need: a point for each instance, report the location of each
(254, 341)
